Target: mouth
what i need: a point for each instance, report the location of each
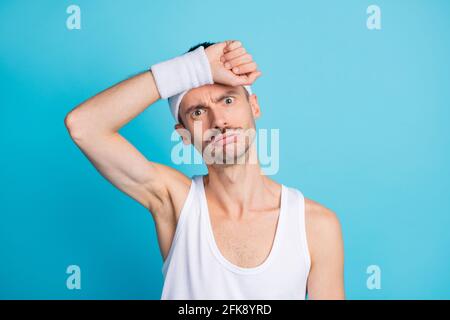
(225, 139)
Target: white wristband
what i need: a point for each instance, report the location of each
(188, 71)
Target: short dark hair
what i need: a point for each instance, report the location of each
(205, 45)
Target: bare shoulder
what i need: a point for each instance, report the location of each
(326, 248)
(172, 196)
(323, 228)
(318, 216)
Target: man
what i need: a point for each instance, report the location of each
(233, 233)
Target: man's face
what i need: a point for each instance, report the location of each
(213, 112)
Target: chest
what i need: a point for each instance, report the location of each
(246, 242)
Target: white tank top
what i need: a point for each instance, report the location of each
(196, 269)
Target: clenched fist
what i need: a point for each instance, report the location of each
(231, 64)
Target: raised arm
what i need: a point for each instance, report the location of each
(94, 126)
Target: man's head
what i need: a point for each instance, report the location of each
(205, 45)
(216, 110)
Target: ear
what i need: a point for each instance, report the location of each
(184, 133)
(256, 110)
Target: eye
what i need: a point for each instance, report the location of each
(197, 113)
(229, 100)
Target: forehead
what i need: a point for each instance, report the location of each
(207, 93)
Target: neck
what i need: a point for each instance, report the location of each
(239, 188)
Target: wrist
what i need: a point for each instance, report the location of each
(185, 72)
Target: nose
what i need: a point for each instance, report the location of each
(219, 119)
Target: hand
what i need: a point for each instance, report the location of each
(231, 64)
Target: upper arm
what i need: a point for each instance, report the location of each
(326, 277)
(126, 168)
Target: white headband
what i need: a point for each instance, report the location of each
(176, 76)
(174, 102)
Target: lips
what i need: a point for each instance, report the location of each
(225, 138)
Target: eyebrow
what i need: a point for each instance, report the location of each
(226, 94)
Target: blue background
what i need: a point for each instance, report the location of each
(363, 118)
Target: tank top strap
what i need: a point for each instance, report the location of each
(296, 222)
(185, 211)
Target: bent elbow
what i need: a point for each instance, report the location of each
(74, 126)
